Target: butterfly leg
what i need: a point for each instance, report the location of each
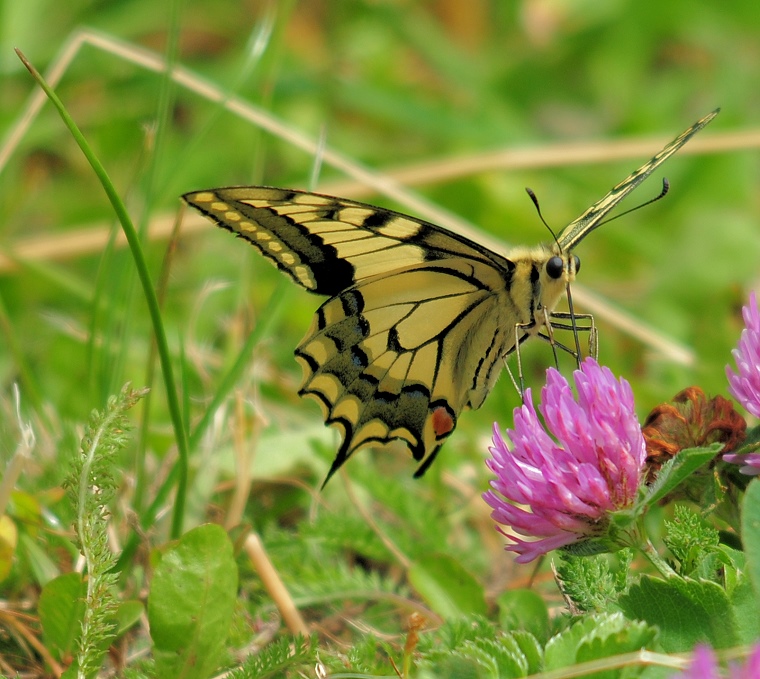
(574, 320)
(519, 383)
(586, 326)
(577, 324)
(550, 336)
(518, 388)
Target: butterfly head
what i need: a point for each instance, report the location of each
(541, 278)
(562, 266)
(558, 268)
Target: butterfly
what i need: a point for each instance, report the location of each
(419, 318)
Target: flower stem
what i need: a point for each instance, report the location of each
(648, 550)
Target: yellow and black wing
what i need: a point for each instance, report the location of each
(418, 319)
(579, 228)
(327, 244)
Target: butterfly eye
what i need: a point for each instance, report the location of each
(554, 267)
(577, 261)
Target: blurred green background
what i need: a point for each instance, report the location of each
(389, 84)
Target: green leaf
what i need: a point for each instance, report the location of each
(750, 442)
(694, 543)
(26, 511)
(287, 657)
(531, 650)
(41, 565)
(561, 649)
(686, 611)
(615, 636)
(459, 667)
(471, 647)
(501, 658)
(523, 609)
(72, 672)
(128, 614)
(678, 469)
(591, 584)
(447, 587)
(596, 637)
(744, 603)
(61, 609)
(191, 602)
(751, 533)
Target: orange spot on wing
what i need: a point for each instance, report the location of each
(443, 422)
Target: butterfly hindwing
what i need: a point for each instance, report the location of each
(397, 352)
(396, 357)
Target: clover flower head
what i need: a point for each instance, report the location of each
(570, 483)
(744, 384)
(705, 666)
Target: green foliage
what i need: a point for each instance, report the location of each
(283, 657)
(314, 573)
(677, 470)
(693, 542)
(447, 587)
(472, 647)
(413, 521)
(685, 611)
(751, 534)
(91, 486)
(411, 85)
(590, 583)
(596, 637)
(191, 601)
(524, 609)
(367, 655)
(61, 608)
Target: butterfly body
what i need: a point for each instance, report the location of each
(419, 318)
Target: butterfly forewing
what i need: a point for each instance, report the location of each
(326, 244)
(419, 318)
(578, 229)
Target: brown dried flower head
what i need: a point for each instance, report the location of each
(692, 420)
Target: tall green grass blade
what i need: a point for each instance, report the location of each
(148, 290)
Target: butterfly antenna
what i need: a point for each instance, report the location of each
(662, 194)
(592, 338)
(534, 198)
